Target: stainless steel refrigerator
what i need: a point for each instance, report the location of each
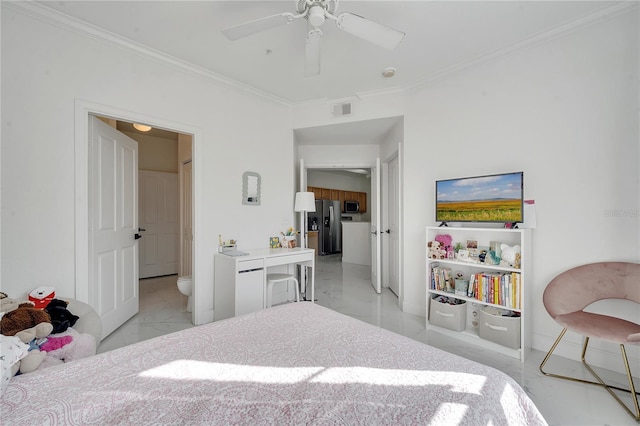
(327, 219)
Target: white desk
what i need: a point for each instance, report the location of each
(240, 281)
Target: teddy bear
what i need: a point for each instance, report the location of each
(23, 317)
(510, 255)
(436, 251)
(61, 317)
(32, 336)
(446, 241)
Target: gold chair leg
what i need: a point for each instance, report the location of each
(600, 382)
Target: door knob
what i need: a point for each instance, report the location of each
(141, 229)
(374, 233)
(388, 231)
(137, 236)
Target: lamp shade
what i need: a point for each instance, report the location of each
(305, 202)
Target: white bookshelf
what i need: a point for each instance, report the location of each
(484, 236)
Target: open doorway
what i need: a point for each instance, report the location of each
(165, 235)
(91, 158)
(359, 240)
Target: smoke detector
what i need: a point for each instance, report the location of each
(388, 72)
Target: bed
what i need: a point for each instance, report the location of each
(298, 363)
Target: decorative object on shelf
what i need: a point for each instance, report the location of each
(445, 240)
(288, 239)
(495, 246)
(492, 258)
(462, 286)
(274, 242)
(510, 255)
(457, 248)
(436, 251)
(463, 255)
(226, 246)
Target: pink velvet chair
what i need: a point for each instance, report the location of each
(568, 294)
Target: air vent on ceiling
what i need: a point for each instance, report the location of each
(342, 109)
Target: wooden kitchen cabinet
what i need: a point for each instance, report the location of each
(312, 239)
(341, 198)
(340, 195)
(362, 200)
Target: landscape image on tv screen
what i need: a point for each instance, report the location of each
(493, 198)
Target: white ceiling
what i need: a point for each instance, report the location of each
(440, 36)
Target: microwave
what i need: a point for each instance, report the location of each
(351, 207)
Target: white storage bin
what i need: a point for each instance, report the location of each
(500, 329)
(453, 317)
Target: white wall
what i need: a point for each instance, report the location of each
(327, 156)
(565, 113)
(45, 69)
(157, 154)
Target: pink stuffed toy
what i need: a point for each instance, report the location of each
(54, 343)
(445, 241)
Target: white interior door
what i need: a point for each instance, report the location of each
(186, 219)
(159, 223)
(394, 228)
(113, 211)
(376, 237)
(302, 223)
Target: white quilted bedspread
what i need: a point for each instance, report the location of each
(293, 364)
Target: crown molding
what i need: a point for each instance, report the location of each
(600, 15)
(66, 22)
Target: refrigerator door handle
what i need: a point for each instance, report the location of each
(331, 220)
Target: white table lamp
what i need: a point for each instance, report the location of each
(305, 202)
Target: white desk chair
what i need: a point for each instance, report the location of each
(276, 278)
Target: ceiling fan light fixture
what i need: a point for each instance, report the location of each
(141, 127)
(316, 15)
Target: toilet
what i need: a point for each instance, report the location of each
(185, 285)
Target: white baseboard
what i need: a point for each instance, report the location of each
(414, 308)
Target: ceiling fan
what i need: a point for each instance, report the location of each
(316, 12)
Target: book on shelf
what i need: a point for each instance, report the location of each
(498, 288)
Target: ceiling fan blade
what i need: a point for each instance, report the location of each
(246, 29)
(312, 53)
(371, 31)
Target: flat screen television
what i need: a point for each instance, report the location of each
(495, 198)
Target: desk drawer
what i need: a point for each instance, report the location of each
(288, 259)
(247, 265)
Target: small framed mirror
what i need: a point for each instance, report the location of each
(251, 188)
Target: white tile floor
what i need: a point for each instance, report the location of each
(346, 288)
